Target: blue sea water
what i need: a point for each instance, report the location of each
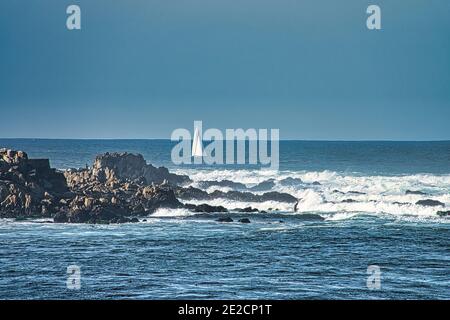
(177, 254)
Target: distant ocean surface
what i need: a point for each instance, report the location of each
(359, 188)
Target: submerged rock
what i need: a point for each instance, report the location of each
(247, 210)
(348, 201)
(310, 217)
(244, 220)
(205, 208)
(443, 213)
(289, 181)
(415, 192)
(263, 186)
(191, 193)
(222, 183)
(224, 219)
(430, 203)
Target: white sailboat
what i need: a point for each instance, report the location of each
(197, 145)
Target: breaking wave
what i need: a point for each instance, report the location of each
(332, 194)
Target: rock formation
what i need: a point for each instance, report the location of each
(28, 187)
(118, 188)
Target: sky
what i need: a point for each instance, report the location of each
(142, 68)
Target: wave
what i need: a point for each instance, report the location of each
(171, 213)
(332, 193)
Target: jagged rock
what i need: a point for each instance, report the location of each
(119, 188)
(430, 203)
(27, 186)
(128, 166)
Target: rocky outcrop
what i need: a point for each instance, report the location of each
(28, 187)
(127, 166)
(197, 194)
(118, 188)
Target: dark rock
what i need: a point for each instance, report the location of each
(205, 208)
(244, 220)
(28, 187)
(349, 192)
(443, 213)
(197, 194)
(316, 183)
(430, 203)
(356, 192)
(348, 201)
(415, 192)
(247, 209)
(222, 183)
(310, 217)
(224, 219)
(263, 186)
(291, 182)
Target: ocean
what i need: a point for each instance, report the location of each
(358, 188)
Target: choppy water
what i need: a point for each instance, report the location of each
(177, 254)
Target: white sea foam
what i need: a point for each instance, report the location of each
(166, 212)
(374, 194)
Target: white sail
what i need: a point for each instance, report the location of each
(197, 146)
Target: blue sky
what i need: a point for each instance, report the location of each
(141, 68)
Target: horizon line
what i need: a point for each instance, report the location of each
(166, 139)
